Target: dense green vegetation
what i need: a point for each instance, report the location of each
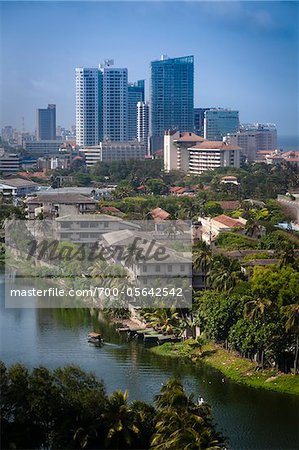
(69, 409)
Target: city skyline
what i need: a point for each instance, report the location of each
(246, 54)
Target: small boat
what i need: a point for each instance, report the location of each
(95, 338)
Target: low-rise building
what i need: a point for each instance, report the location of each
(209, 228)
(56, 205)
(109, 151)
(277, 157)
(17, 187)
(90, 228)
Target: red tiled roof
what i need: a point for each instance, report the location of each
(214, 145)
(159, 213)
(110, 209)
(192, 137)
(228, 221)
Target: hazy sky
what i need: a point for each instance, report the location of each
(246, 53)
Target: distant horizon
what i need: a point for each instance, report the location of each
(246, 54)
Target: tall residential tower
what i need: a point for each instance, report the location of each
(115, 104)
(89, 118)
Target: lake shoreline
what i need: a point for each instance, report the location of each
(235, 368)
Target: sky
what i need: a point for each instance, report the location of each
(246, 53)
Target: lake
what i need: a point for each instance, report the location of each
(251, 419)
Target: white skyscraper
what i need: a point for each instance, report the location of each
(88, 106)
(142, 121)
(115, 104)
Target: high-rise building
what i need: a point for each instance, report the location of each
(142, 122)
(46, 124)
(89, 120)
(218, 122)
(198, 116)
(253, 138)
(171, 97)
(135, 95)
(115, 103)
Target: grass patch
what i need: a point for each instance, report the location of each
(237, 369)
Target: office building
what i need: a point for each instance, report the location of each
(171, 97)
(43, 148)
(46, 124)
(142, 122)
(115, 103)
(218, 122)
(108, 151)
(89, 120)
(135, 95)
(253, 138)
(198, 116)
(10, 163)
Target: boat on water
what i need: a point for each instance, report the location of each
(95, 339)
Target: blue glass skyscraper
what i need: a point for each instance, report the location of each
(172, 96)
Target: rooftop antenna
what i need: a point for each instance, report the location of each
(23, 124)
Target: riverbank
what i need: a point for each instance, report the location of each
(235, 368)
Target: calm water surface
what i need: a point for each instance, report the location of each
(251, 419)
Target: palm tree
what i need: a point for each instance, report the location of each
(166, 320)
(225, 273)
(202, 259)
(181, 423)
(292, 324)
(287, 255)
(121, 428)
(256, 307)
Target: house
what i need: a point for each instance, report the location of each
(211, 227)
(112, 210)
(17, 187)
(159, 214)
(181, 191)
(56, 205)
